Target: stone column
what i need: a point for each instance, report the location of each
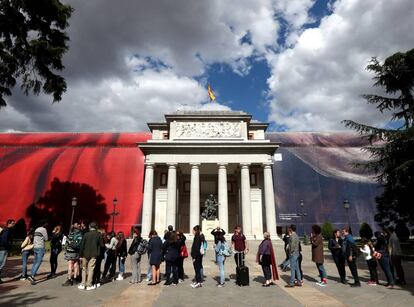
(269, 200)
(195, 196)
(222, 197)
(148, 199)
(171, 195)
(245, 195)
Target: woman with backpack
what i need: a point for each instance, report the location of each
(266, 258)
(55, 249)
(197, 255)
(72, 247)
(171, 249)
(121, 252)
(220, 257)
(155, 252)
(135, 258)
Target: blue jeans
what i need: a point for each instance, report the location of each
(3, 258)
(38, 257)
(25, 256)
(220, 262)
(386, 267)
(321, 269)
(121, 264)
(294, 268)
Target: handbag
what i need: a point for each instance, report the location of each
(183, 251)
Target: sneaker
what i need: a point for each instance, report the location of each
(120, 277)
(32, 280)
(372, 283)
(98, 285)
(321, 284)
(196, 285)
(180, 281)
(68, 282)
(356, 285)
(148, 279)
(90, 288)
(174, 284)
(22, 277)
(81, 287)
(220, 285)
(389, 286)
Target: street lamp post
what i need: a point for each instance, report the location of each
(346, 207)
(302, 215)
(114, 213)
(74, 204)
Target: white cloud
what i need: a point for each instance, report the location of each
(318, 82)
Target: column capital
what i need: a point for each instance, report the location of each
(150, 164)
(172, 165)
(222, 165)
(267, 165)
(195, 165)
(244, 165)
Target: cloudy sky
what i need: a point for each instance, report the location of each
(298, 64)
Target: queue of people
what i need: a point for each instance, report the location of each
(87, 248)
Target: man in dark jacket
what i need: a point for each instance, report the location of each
(90, 249)
(350, 252)
(5, 244)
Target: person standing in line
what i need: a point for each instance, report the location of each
(135, 257)
(55, 249)
(5, 243)
(197, 256)
(121, 252)
(240, 245)
(216, 233)
(90, 249)
(39, 239)
(394, 249)
(383, 258)
(335, 246)
(149, 268)
(155, 250)
(266, 258)
(220, 258)
(284, 265)
(293, 258)
(183, 255)
(27, 249)
(171, 250)
(170, 230)
(110, 263)
(72, 246)
(368, 251)
(350, 251)
(96, 280)
(317, 253)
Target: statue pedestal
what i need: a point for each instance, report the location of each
(207, 226)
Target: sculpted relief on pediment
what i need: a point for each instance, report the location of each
(224, 129)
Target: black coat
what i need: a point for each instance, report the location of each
(155, 250)
(195, 248)
(335, 247)
(171, 250)
(91, 245)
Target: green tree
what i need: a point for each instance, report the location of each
(32, 43)
(392, 150)
(327, 229)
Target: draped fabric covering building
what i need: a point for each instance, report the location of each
(163, 177)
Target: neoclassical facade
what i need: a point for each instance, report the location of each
(194, 154)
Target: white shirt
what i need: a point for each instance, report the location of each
(367, 252)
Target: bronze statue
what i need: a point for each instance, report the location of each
(210, 208)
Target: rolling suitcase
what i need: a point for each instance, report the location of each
(242, 272)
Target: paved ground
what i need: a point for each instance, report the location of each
(121, 293)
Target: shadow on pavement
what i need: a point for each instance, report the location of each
(23, 299)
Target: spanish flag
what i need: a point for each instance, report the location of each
(211, 94)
